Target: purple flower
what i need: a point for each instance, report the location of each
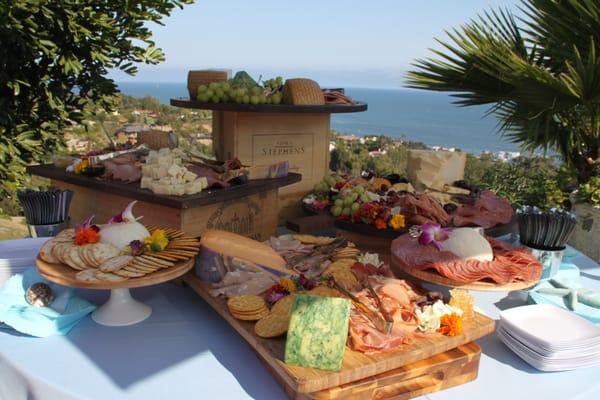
(273, 297)
(137, 247)
(433, 234)
(307, 283)
(86, 223)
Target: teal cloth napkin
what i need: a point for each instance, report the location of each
(569, 275)
(57, 319)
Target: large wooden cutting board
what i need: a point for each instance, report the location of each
(356, 366)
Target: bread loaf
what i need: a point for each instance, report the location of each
(302, 92)
(234, 245)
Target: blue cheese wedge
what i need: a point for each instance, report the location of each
(317, 332)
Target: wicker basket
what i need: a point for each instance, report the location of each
(197, 78)
(157, 139)
(302, 92)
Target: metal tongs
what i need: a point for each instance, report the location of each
(94, 160)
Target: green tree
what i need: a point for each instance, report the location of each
(53, 62)
(539, 73)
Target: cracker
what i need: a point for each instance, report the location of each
(46, 251)
(116, 263)
(273, 325)
(72, 259)
(154, 260)
(102, 252)
(87, 255)
(108, 276)
(284, 305)
(128, 274)
(87, 275)
(140, 268)
(251, 317)
(325, 291)
(59, 251)
(66, 235)
(246, 303)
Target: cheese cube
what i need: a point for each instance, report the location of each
(174, 170)
(147, 170)
(165, 180)
(317, 332)
(178, 190)
(203, 181)
(165, 160)
(160, 188)
(152, 157)
(189, 176)
(177, 160)
(146, 182)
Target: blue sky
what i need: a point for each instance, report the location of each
(336, 42)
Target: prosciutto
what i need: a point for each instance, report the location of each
(509, 264)
(239, 282)
(489, 210)
(422, 209)
(398, 298)
(124, 168)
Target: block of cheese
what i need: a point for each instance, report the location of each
(468, 244)
(147, 170)
(189, 176)
(234, 245)
(146, 182)
(434, 169)
(317, 332)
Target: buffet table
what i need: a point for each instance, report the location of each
(186, 348)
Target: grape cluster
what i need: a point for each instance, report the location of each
(232, 91)
(349, 200)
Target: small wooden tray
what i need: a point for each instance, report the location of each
(300, 381)
(434, 277)
(65, 275)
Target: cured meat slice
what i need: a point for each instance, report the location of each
(509, 264)
(489, 210)
(422, 209)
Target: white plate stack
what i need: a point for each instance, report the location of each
(18, 255)
(550, 338)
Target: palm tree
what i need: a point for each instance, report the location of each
(539, 72)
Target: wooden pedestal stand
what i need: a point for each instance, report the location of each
(266, 134)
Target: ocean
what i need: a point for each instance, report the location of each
(428, 117)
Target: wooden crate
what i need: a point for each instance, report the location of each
(262, 138)
(250, 210)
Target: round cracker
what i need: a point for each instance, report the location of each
(87, 275)
(246, 303)
(60, 249)
(109, 276)
(128, 274)
(273, 325)
(325, 291)
(102, 252)
(284, 305)
(116, 263)
(66, 235)
(46, 251)
(251, 317)
(71, 258)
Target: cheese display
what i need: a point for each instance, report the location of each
(434, 169)
(468, 244)
(164, 173)
(123, 229)
(317, 332)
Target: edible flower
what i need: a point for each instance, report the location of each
(380, 223)
(397, 222)
(274, 294)
(157, 241)
(433, 234)
(81, 166)
(451, 324)
(287, 284)
(87, 235)
(136, 247)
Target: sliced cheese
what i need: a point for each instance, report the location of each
(468, 244)
(234, 245)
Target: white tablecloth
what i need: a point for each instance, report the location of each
(185, 350)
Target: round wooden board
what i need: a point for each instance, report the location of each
(65, 275)
(435, 278)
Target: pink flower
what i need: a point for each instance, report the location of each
(433, 234)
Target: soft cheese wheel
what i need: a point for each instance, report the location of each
(234, 245)
(468, 244)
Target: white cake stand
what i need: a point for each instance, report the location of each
(121, 309)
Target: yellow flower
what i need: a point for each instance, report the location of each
(157, 241)
(85, 163)
(288, 284)
(397, 221)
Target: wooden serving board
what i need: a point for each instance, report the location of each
(356, 366)
(434, 277)
(65, 275)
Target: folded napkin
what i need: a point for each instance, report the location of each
(57, 319)
(568, 274)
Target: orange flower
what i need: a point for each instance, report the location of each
(380, 223)
(86, 236)
(451, 324)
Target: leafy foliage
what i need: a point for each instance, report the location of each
(53, 62)
(539, 74)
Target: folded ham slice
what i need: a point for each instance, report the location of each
(422, 209)
(509, 264)
(489, 210)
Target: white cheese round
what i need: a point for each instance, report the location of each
(468, 244)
